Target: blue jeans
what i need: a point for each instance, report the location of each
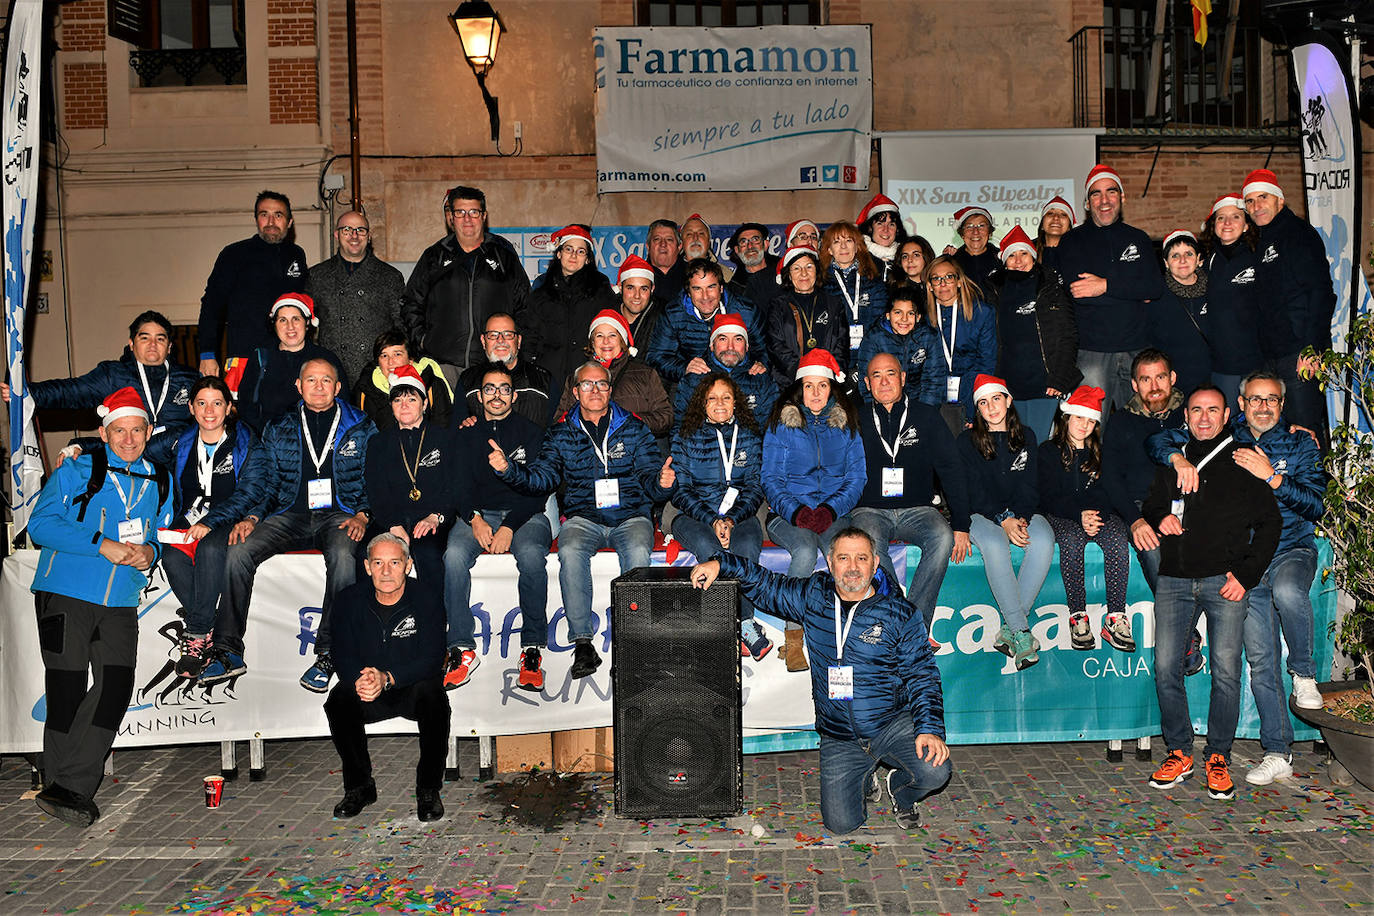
(847, 765)
(1304, 402)
(1177, 602)
(199, 584)
(1111, 372)
(746, 540)
(1015, 592)
(1281, 601)
(632, 540)
(1229, 385)
(530, 546)
(1037, 415)
(802, 544)
(923, 527)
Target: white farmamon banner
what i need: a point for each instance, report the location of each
(737, 109)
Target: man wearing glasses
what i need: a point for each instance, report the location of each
(459, 282)
(606, 460)
(501, 341)
(357, 295)
(1290, 464)
(755, 280)
(496, 519)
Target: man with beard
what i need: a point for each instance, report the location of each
(639, 305)
(684, 332)
(729, 353)
(756, 278)
(501, 339)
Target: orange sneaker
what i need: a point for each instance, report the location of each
(1219, 784)
(531, 672)
(1177, 767)
(459, 667)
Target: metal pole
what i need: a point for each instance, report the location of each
(355, 153)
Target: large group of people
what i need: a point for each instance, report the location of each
(852, 389)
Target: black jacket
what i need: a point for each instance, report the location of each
(267, 388)
(925, 449)
(1231, 319)
(1005, 485)
(482, 488)
(354, 306)
(828, 327)
(406, 638)
(437, 471)
(559, 313)
(1124, 256)
(1126, 467)
(533, 388)
(981, 266)
(1037, 333)
(1067, 492)
(758, 287)
(1176, 328)
(1294, 272)
(247, 278)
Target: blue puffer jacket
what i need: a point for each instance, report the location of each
(701, 477)
(249, 470)
(285, 446)
(682, 334)
(871, 302)
(1293, 455)
(919, 353)
(85, 392)
(70, 563)
(894, 670)
(760, 391)
(568, 458)
(975, 348)
(812, 461)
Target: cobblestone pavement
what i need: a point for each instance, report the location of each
(1020, 828)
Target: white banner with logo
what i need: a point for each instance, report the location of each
(737, 109)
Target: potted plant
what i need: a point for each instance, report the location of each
(1346, 720)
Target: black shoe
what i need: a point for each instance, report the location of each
(1192, 659)
(585, 659)
(428, 807)
(355, 800)
(67, 806)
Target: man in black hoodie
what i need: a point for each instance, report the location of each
(388, 649)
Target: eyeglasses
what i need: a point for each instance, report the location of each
(503, 390)
(598, 384)
(976, 227)
(945, 278)
(574, 251)
(499, 335)
(1269, 400)
(360, 231)
(749, 241)
(465, 214)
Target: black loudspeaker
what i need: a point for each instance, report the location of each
(675, 680)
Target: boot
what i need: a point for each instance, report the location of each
(792, 651)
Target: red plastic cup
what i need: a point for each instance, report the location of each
(214, 791)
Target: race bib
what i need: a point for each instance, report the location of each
(952, 389)
(856, 336)
(131, 531)
(608, 493)
(198, 511)
(841, 682)
(319, 493)
(892, 481)
(731, 494)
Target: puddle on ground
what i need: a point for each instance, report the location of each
(546, 800)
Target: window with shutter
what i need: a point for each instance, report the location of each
(182, 42)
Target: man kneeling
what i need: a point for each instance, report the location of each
(878, 698)
(388, 651)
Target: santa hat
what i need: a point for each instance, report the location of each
(570, 233)
(791, 254)
(819, 363)
(123, 403)
(1179, 234)
(1226, 200)
(615, 320)
(879, 204)
(1262, 181)
(794, 227)
(1099, 172)
(1058, 203)
(300, 301)
(634, 267)
(1015, 240)
(964, 215)
(985, 385)
(729, 324)
(697, 217)
(1086, 401)
(406, 375)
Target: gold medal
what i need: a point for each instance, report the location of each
(415, 494)
(810, 343)
(410, 472)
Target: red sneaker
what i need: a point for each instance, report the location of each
(531, 674)
(459, 667)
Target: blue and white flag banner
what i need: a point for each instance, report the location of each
(23, 72)
(738, 109)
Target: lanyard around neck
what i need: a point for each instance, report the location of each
(318, 458)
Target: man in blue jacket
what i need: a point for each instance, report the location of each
(97, 549)
(728, 352)
(315, 455)
(607, 462)
(389, 649)
(1290, 465)
(684, 331)
(873, 677)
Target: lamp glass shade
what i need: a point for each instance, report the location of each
(479, 29)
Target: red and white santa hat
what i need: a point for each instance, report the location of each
(1179, 234)
(880, 203)
(407, 375)
(612, 318)
(569, 233)
(1226, 200)
(796, 226)
(634, 267)
(1261, 181)
(964, 215)
(820, 363)
(1086, 401)
(791, 254)
(1099, 172)
(985, 385)
(1015, 240)
(697, 217)
(123, 403)
(730, 323)
(1058, 203)
(301, 301)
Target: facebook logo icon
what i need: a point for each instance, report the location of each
(830, 173)
(808, 174)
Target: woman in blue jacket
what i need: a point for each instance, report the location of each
(968, 334)
(1000, 468)
(815, 471)
(718, 455)
(852, 281)
(218, 475)
(905, 333)
(1232, 319)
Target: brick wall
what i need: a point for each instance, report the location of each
(292, 71)
(83, 73)
(83, 96)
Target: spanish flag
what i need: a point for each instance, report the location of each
(1200, 10)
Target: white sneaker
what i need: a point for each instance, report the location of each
(1272, 767)
(1305, 693)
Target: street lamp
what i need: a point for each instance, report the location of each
(479, 29)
